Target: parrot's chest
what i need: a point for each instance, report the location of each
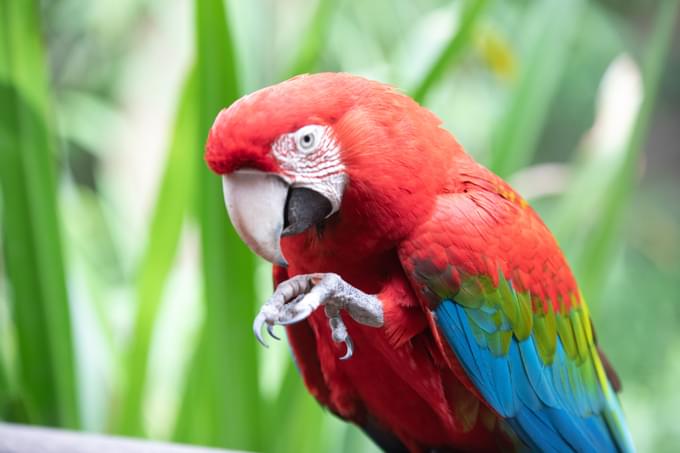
(400, 387)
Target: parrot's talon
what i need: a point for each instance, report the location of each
(350, 349)
(270, 330)
(257, 329)
(297, 298)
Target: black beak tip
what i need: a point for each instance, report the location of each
(304, 208)
(289, 231)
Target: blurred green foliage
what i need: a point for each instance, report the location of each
(126, 298)
(32, 241)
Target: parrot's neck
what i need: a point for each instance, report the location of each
(373, 221)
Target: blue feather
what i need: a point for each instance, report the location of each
(539, 433)
(548, 406)
(525, 392)
(536, 373)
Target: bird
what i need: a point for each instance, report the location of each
(423, 298)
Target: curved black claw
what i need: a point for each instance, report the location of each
(350, 349)
(270, 330)
(257, 329)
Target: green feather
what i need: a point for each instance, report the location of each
(566, 333)
(524, 323)
(545, 334)
(579, 334)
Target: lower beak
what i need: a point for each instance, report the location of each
(263, 207)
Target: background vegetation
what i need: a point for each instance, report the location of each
(125, 297)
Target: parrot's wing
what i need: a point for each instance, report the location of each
(505, 303)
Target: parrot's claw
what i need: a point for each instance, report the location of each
(297, 298)
(257, 329)
(339, 330)
(270, 330)
(350, 349)
(260, 320)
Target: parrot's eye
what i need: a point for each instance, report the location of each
(306, 138)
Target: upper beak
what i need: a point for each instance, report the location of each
(263, 207)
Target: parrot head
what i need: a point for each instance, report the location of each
(334, 150)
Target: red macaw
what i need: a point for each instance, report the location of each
(451, 320)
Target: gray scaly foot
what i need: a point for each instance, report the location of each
(297, 298)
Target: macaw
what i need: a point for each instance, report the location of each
(451, 320)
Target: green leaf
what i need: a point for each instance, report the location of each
(300, 417)
(594, 263)
(553, 25)
(228, 364)
(196, 422)
(31, 233)
(314, 39)
(174, 199)
(4, 387)
(453, 50)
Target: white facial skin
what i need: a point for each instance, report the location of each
(309, 158)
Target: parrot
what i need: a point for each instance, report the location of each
(423, 298)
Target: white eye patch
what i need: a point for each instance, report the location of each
(310, 157)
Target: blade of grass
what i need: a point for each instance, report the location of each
(594, 262)
(453, 50)
(7, 390)
(32, 238)
(5, 334)
(228, 364)
(288, 393)
(555, 23)
(314, 39)
(299, 416)
(175, 196)
(195, 422)
(4, 387)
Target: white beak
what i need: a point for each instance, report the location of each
(256, 202)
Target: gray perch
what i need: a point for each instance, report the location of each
(29, 439)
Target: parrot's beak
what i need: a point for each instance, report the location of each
(263, 207)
